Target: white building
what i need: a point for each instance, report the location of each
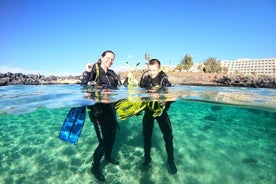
(247, 66)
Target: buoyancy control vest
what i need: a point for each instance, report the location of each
(161, 80)
(107, 79)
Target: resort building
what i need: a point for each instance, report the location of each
(260, 67)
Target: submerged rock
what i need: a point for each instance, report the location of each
(249, 160)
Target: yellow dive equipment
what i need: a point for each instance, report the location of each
(133, 105)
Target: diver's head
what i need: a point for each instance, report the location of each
(154, 67)
(107, 59)
(89, 67)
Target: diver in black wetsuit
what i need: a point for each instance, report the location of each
(86, 74)
(157, 78)
(103, 115)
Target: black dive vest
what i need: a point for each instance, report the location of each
(107, 79)
(160, 80)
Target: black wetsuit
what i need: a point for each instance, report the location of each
(103, 115)
(163, 120)
(85, 78)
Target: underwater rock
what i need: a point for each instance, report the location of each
(248, 160)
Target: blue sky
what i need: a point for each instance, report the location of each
(61, 36)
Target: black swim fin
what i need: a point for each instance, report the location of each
(73, 124)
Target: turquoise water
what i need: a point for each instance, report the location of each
(221, 135)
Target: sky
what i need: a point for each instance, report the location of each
(59, 37)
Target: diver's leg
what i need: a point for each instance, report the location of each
(109, 142)
(111, 125)
(148, 121)
(98, 153)
(166, 129)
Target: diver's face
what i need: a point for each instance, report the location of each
(107, 60)
(153, 70)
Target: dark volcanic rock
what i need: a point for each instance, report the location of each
(32, 79)
(247, 81)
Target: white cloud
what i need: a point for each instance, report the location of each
(129, 56)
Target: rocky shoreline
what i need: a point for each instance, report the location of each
(32, 79)
(179, 78)
(247, 81)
